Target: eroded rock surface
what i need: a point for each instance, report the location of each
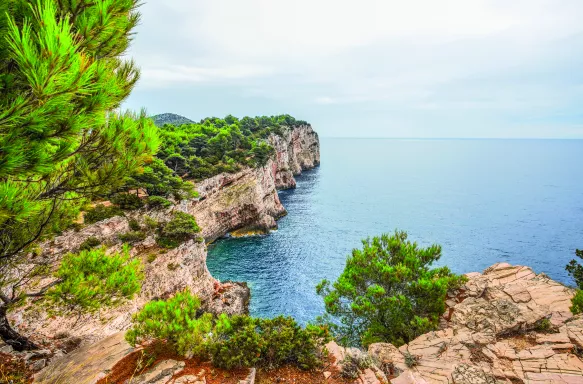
(506, 325)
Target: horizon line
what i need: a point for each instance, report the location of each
(450, 138)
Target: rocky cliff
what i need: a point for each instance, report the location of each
(243, 202)
(247, 201)
(506, 325)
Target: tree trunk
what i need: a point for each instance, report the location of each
(10, 336)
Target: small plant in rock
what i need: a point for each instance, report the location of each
(354, 362)
(132, 236)
(410, 360)
(174, 320)
(101, 212)
(127, 201)
(180, 228)
(89, 243)
(150, 223)
(134, 225)
(158, 202)
(544, 325)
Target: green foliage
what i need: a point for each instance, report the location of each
(61, 82)
(575, 270)
(92, 278)
(243, 341)
(180, 228)
(127, 201)
(218, 145)
(155, 202)
(134, 225)
(132, 236)
(174, 320)
(159, 180)
(577, 303)
(101, 212)
(388, 292)
(231, 342)
(90, 242)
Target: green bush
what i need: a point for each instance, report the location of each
(176, 322)
(243, 341)
(92, 278)
(577, 303)
(388, 292)
(156, 202)
(101, 212)
(134, 225)
(232, 342)
(180, 228)
(127, 201)
(575, 270)
(90, 242)
(132, 236)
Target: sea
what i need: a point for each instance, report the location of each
(484, 201)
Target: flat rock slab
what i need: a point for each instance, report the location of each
(86, 365)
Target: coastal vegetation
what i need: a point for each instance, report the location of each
(388, 292)
(228, 341)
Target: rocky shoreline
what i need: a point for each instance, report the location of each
(505, 325)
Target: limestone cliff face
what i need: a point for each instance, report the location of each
(166, 272)
(247, 201)
(296, 149)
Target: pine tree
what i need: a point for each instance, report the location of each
(62, 138)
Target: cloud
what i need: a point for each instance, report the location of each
(448, 64)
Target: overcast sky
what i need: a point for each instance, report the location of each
(364, 68)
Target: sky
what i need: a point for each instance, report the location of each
(368, 68)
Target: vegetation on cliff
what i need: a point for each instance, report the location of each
(388, 292)
(229, 342)
(216, 145)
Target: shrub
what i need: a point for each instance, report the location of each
(236, 343)
(387, 292)
(410, 360)
(180, 228)
(91, 279)
(157, 202)
(127, 201)
(577, 302)
(134, 225)
(243, 341)
(175, 321)
(101, 212)
(90, 242)
(575, 270)
(132, 236)
(150, 223)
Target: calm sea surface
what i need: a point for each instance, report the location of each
(484, 201)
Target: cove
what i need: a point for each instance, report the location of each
(484, 201)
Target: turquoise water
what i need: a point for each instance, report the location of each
(484, 201)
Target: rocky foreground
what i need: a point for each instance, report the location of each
(506, 325)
